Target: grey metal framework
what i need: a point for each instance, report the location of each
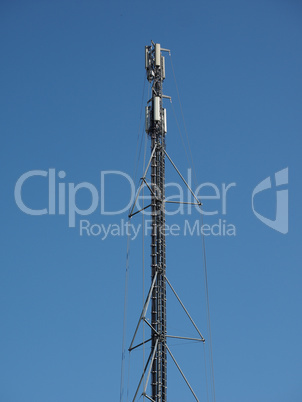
(155, 369)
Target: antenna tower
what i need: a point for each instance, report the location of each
(155, 370)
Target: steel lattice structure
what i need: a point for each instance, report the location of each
(155, 370)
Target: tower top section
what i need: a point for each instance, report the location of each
(155, 61)
(156, 120)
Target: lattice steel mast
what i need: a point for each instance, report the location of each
(156, 128)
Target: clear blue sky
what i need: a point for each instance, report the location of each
(72, 76)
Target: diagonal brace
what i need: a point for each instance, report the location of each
(183, 376)
(145, 369)
(182, 305)
(187, 185)
(142, 316)
(143, 179)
